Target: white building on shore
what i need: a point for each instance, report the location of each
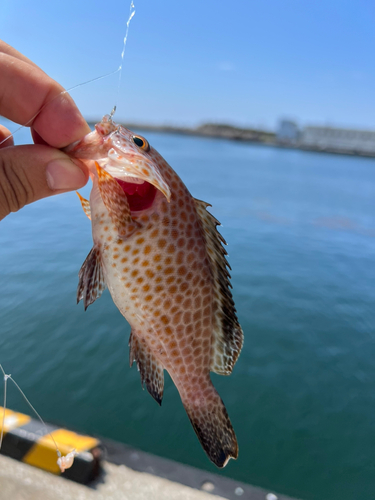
(338, 139)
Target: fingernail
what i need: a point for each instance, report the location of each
(64, 174)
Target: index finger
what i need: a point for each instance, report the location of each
(30, 97)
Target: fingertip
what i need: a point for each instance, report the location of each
(66, 174)
(6, 137)
(31, 172)
(69, 127)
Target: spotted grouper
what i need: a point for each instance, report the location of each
(159, 253)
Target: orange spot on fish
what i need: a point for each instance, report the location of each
(164, 319)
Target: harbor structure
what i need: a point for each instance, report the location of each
(350, 141)
(287, 132)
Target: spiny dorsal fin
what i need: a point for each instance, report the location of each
(227, 337)
(116, 203)
(152, 372)
(85, 205)
(91, 279)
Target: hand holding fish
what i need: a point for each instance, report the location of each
(31, 172)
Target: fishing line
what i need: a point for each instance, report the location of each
(131, 15)
(118, 70)
(9, 377)
(56, 96)
(4, 405)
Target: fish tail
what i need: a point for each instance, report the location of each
(211, 423)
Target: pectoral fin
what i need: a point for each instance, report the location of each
(150, 369)
(85, 205)
(116, 203)
(91, 279)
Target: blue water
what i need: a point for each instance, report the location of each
(301, 234)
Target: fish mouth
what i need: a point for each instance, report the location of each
(139, 193)
(135, 169)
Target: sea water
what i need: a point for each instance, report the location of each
(301, 233)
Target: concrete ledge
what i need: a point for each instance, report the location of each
(199, 479)
(19, 481)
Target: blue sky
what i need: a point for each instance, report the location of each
(242, 62)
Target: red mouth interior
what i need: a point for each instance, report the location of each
(140, 196)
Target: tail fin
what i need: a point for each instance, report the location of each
(214, 430)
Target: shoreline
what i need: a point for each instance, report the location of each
(245, 135)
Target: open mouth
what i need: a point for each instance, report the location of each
(140, 195)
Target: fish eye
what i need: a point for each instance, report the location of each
(141, 142)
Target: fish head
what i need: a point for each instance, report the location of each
(128, 158)
(134, 163)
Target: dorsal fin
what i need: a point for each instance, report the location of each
(227, 336)
(151, 370)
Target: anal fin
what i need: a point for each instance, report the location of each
(150, 368)
(116, 202)
(91, 279)
(85, 205)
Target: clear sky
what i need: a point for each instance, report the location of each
(244, 62)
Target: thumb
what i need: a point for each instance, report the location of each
(29, 173)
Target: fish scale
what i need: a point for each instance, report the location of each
(165, 267)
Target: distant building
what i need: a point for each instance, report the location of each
(338, 139)
(287, 132)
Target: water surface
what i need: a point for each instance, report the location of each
(301, 234)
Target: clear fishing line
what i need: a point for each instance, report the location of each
(67, 91)
(7, 377)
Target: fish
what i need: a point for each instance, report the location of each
(158, 251)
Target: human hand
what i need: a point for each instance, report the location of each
(31, 172)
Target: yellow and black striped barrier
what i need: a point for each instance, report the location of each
(29, 441)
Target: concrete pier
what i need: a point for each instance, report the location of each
(20, 481)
